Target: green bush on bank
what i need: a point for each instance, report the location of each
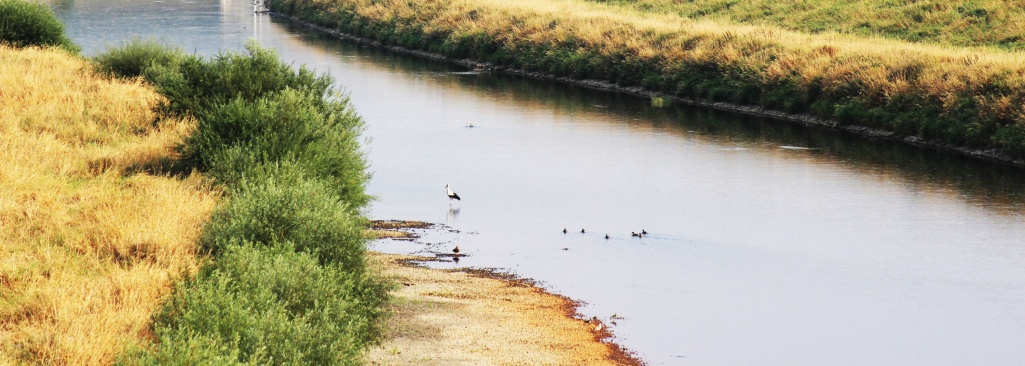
(260, 304)
(281, 204)
(24, 23)
(253, 110)
(194, 84)
(288, 282)
(290, 126)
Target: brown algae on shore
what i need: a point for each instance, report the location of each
(393, 229)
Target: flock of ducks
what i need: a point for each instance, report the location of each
(632, 234)
(453, 196)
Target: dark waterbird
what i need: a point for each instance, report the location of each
(564, 230)
(582, 231)
(455, 250)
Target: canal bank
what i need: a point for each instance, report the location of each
(913, 103)
(477, 316)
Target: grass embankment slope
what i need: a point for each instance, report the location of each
(92, 234)
(940, 94)
(998, 23)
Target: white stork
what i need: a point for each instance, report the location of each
(452, 195)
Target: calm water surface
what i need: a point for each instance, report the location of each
(771, 244)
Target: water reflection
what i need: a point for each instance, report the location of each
(451, 217)
(989, 185)
(992, 186)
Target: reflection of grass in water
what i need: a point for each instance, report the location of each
(1001, 185)
(659, 102)
(998, 186)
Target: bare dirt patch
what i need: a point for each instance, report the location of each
(477, 317)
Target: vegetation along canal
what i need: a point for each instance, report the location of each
(769, 243)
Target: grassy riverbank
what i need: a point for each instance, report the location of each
(93, 232)
(943, 95)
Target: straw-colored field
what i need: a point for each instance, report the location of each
(999, 23)
(91, 238)
(945, 94)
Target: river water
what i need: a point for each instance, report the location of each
(769, 244)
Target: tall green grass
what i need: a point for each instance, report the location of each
(26, 23)
(288, 282)
(134, 57)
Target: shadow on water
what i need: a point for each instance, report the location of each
(994, 186)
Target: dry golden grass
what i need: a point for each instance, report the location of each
(999, 23)
(89, 242)
(777, 51)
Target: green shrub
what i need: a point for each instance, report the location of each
(319, 134)
(288, 284)
(133, 58)
(268, 305)
(281, 203)
(194, 84)
(24, 23)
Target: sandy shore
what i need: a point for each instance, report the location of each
(474, 317)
